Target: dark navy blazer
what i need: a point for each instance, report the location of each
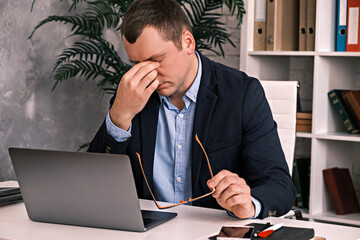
(234, 122)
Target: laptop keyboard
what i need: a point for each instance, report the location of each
(148, 221)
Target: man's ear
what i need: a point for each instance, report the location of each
(188, 42)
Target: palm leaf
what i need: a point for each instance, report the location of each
(103, 12)
(83, 146)
(80, 24)
(206, 25)
(81, 68)
(89, 50)
(236, 6)
(74, 4)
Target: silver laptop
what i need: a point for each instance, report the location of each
(84, 189)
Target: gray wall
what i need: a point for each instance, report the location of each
(30, 114)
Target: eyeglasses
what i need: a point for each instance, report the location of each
(182, 201)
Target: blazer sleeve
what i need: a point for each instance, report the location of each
(103, 142)
(264, 165)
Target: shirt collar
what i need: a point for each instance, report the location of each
(192, 92)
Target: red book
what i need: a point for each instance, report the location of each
(353, 25)
(341, 190)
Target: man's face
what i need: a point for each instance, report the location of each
(175, 73)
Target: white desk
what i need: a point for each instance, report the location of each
(191, 223)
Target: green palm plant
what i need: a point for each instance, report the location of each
(93, 57)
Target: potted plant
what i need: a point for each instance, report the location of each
(94, 57)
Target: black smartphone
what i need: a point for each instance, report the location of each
(236, 233)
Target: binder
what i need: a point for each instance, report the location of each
(341, 25)
(282, 25)
(310, 25)
(353, 33)
(270, 24)
(302, 24)
(260, 25)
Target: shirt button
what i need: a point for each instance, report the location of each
(181, 115)
(179, 147)
(178, 179)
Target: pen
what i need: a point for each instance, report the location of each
(258, 231)
(265, 233)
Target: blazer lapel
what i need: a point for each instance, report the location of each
(148, 123)
(205, 104)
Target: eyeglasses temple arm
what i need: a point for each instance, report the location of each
(147, 183)
(207, 159)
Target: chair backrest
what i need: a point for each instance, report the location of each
(282, 97)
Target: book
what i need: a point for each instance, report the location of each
(303, 165)
(304, 115)
(336, 100)
(6, 191)
(352, 102)
(303, 121)
(285, 233)
(301, 179)
(303, 127)
(9, 199)
(296, 180)
(341, 190)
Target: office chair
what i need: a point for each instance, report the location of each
(282, 98)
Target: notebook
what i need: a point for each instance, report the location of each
(285, 233)
(83, 189)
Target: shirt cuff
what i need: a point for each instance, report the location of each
(257, 205)
(120, 135)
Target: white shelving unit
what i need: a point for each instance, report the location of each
(331, 145)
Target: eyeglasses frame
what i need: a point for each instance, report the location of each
(182, 201)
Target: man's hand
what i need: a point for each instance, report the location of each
(134, 90)
(232, 193)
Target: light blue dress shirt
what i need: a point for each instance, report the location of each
(172, 157)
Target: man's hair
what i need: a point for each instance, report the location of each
(166, 16)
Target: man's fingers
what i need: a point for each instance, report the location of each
(147, 80)
(224, 184)
(151, 88)
(237, 192)
(145, 71)
(135, 69)
(139, 71)
(217, 178)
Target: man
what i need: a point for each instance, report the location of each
(172, 93)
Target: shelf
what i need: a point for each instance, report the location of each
(330, 216)
(339, 54)
(339, 136)
(329, 144)
(303, 53)
(282, 53)
(304, 135)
